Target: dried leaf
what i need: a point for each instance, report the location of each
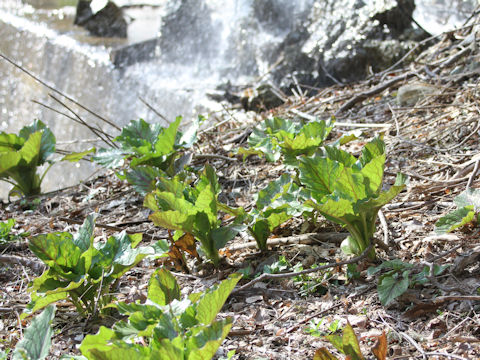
(187, 243)
(380, 348)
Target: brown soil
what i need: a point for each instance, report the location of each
(435, 140)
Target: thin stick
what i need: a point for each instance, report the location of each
(98, 133)
(58, 91)
(473, 174)
(376, 90)
(303, 272)
(36, 266)
(310, 238)
(153, 109)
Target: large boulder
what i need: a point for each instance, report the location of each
(342, 40)
(107, 22)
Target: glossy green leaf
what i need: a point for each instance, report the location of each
(110, 158)
(163, 287)
(391, 285)
(139, 133)
(47, 142)
(37, 337)
(205, 343)
(211, 303)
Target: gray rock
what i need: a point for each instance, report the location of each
(108, 22)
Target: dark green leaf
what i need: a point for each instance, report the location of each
(391, 285)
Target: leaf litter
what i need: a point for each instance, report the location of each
(434, 140)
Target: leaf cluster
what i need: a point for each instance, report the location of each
(82, 270)
(6, 235)
(401, 276)
(22, 154)
(277, 137)
(170, 327)
(150, 151)
(348, 191)
(193, 210)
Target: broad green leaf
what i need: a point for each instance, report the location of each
(84, 238)
(187, 138)
(56, 249)
(373, 175)
(174, 220)
(455, 219)
(205, 343)
(38, 303)
(98, 341)
(371, 150)
(163, 287)
(47, 142)
(30, 151)
(207, 203)
(395, 264)
(77, 156)
(110, 158)
(260, 230)
(37, 337)
(350, 343)
(247, 152)
(166, 327)
(139, 133)
(273, 190)
(165, 142)
(211, 303)
(319, 175)
(351, 185)
(224, 234)
(10, 142)
(469, 197)
(8, 161)
(339, 155)
(391, 285)
(169, 349)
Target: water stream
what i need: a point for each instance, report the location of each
(230, 43)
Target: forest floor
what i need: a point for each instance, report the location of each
(433, 137)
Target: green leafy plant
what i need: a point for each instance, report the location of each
(314, 328)
(468, 203)
(399, 277)
(6, 235)
(193, 210)
(275, 137)
(274, 205)
(37, 338)
(348, 191)
(80, 270)
(22, 154)
(347, 344)
(150, 151)
(166, 326)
